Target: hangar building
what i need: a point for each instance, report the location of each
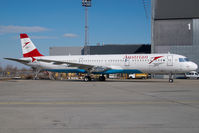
(118, 49)
(104, 49)
(175, 27)
(65, 50)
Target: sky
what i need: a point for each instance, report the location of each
(61, 23)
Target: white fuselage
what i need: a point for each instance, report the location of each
(128, 63)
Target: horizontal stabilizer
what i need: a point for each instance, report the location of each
(18, 60)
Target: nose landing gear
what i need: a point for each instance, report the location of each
(170, 78)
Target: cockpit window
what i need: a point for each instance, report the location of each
(183, 59)
(186, 59)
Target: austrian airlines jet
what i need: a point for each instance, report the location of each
(104, 64)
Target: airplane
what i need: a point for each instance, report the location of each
(103, 64)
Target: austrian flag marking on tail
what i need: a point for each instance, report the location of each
(31, 50)
(26, 44)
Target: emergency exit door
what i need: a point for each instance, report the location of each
(170, 60)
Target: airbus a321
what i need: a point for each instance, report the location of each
(104, 64)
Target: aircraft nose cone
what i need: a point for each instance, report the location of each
(194, 66)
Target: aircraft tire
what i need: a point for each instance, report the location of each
(170, 80)
(102, 78)
(87, 78)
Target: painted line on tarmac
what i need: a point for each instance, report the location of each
(99, 103)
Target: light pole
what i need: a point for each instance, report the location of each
(152, 26)
(86, 4)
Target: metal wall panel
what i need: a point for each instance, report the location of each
(173, 9)
(106, 49)
(65, 50)
(196, 32)
(173, 32)
(119, 49)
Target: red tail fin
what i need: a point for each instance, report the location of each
(28, 48)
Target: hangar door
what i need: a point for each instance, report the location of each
(173, 32)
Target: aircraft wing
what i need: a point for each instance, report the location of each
(70, 64)
(18, 60)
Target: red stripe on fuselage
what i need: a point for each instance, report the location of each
(33, 53)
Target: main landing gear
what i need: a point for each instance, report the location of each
(170, 78)
(102, 78)
(50, 75)
(88, 78)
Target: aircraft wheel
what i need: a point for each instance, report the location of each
(102, 78)
(170, 80)
(87, 78)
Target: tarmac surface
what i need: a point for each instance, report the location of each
(114, 106)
